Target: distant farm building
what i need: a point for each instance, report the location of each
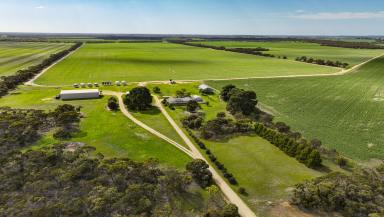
(203, 88)
(183, 100)
(79, 94)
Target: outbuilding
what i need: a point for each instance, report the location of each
(203, 88)
(183, 100)
(79, 94)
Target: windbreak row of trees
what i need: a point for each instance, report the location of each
(8, 83)
(229, 176)
(301, 150)
(322, 62)
(258, 51)
(343, 44)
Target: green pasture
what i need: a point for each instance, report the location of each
(19, 55)
(293, 49)
(113, 134)
(164, 61)
(345, 112)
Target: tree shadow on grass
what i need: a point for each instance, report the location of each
(153, 110)
(80, 134)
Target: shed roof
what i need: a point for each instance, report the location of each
(79, 91)
(204, 86)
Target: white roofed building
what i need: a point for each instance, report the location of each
(79, 94)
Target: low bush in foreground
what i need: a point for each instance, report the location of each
(356, 195)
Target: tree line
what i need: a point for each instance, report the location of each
(229, 176)
(343, 44)
(8, 83)
(358, 194)
(322, 62)
(253, 51)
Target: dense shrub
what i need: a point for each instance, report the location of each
(200, 173)
(113, 104)
(192, 121)
(57, 182)
(192, 106)
(358, 194)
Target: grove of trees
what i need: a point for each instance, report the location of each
(358, 194)
(322, 62)
(139, 98)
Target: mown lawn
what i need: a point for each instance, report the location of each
(293, 49)
(163, 61)
(345, 112)
(111, 133)
(20, 55)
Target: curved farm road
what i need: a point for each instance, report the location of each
(244, 210)
(124, 110)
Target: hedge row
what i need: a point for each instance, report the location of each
(252, 51)
(8, 83)
(303, 151)
(229, 176)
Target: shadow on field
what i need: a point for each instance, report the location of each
(151, 111)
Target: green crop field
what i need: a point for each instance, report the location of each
(163, 61)
(345, 112)
(19, 55)
(293, 49)
(111, 133)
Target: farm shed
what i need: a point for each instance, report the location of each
(79, 94)
(205, 89)
(183, 100)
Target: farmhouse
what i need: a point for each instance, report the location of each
(183, 100)
(79, 94)
(203, 88)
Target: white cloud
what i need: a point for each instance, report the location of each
(340, 15)
(40, 7)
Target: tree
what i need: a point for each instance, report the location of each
(182, 93)
(230, 210)
(192, 106)
(139, 98)
(225, 92)
(200, 173)
(113, 104)
(314, 159)
(192, 121)
(156, 89)
(241, 101)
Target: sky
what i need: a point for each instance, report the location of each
(216, 17)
